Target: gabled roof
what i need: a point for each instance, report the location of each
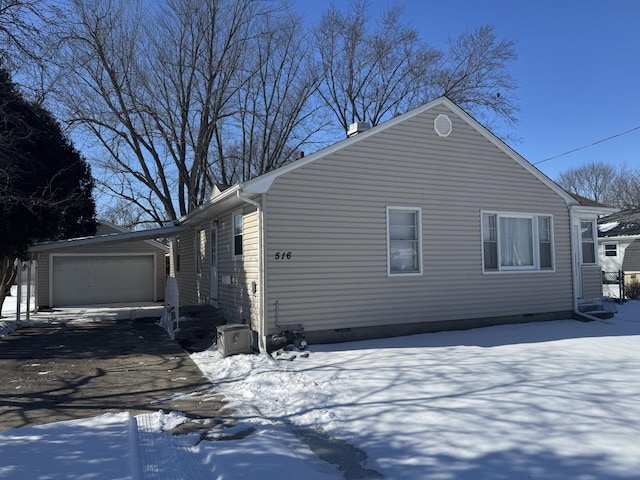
(625, 223)
(263, 183)
(587, 202)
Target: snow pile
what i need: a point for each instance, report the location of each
(605, 227)
(265, 390)
(552, 400)
(91, 448)
(7, 325)
(8, 322)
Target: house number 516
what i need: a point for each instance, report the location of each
(283, 256)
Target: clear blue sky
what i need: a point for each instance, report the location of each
(578, 69)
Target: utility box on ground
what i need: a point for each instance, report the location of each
(234, 339)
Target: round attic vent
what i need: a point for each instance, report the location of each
(442, 125)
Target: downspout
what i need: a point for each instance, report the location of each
(261, 320)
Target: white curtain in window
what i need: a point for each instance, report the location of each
(516, 242)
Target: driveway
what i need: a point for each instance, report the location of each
(72, 370)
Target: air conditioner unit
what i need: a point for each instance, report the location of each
(233, 339)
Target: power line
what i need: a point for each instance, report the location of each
(588, 146)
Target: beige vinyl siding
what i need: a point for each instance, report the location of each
(42, 280)
(141, 247)
(236, 300)
(331, 216)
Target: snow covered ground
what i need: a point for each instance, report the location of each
(553, 400)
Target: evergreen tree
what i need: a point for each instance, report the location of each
(45, 184)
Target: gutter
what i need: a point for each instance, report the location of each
(261, 314)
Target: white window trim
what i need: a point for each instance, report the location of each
(536, 242)
(594, 237)
(418, 212)
(233, 234)
(604, 250)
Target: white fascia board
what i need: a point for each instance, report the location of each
(587, 210)
(162, 232)
(618, 237)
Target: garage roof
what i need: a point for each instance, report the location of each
(161, 232)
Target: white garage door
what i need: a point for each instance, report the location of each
(87, 280)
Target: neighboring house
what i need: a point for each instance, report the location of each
(425, 222)
(88, 271)
(619, 243)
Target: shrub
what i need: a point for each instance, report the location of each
(632, 290)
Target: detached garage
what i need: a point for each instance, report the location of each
(73, 273)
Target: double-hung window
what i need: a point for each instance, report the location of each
(587, 228)
(516, 242)
(404, 255)
(237, 234)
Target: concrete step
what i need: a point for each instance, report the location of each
(198, 327)
(599, 309)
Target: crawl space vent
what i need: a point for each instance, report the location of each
(442, 125)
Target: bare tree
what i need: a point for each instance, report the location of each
(626, 191)
(19, 28)
(185, 95)
(155, 87)
(124, 214)
(593, 180)
(28, 42)
(275, 117)
(176, 96)
(370, 73)
(474, 74)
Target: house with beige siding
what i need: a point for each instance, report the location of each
(423, 223)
